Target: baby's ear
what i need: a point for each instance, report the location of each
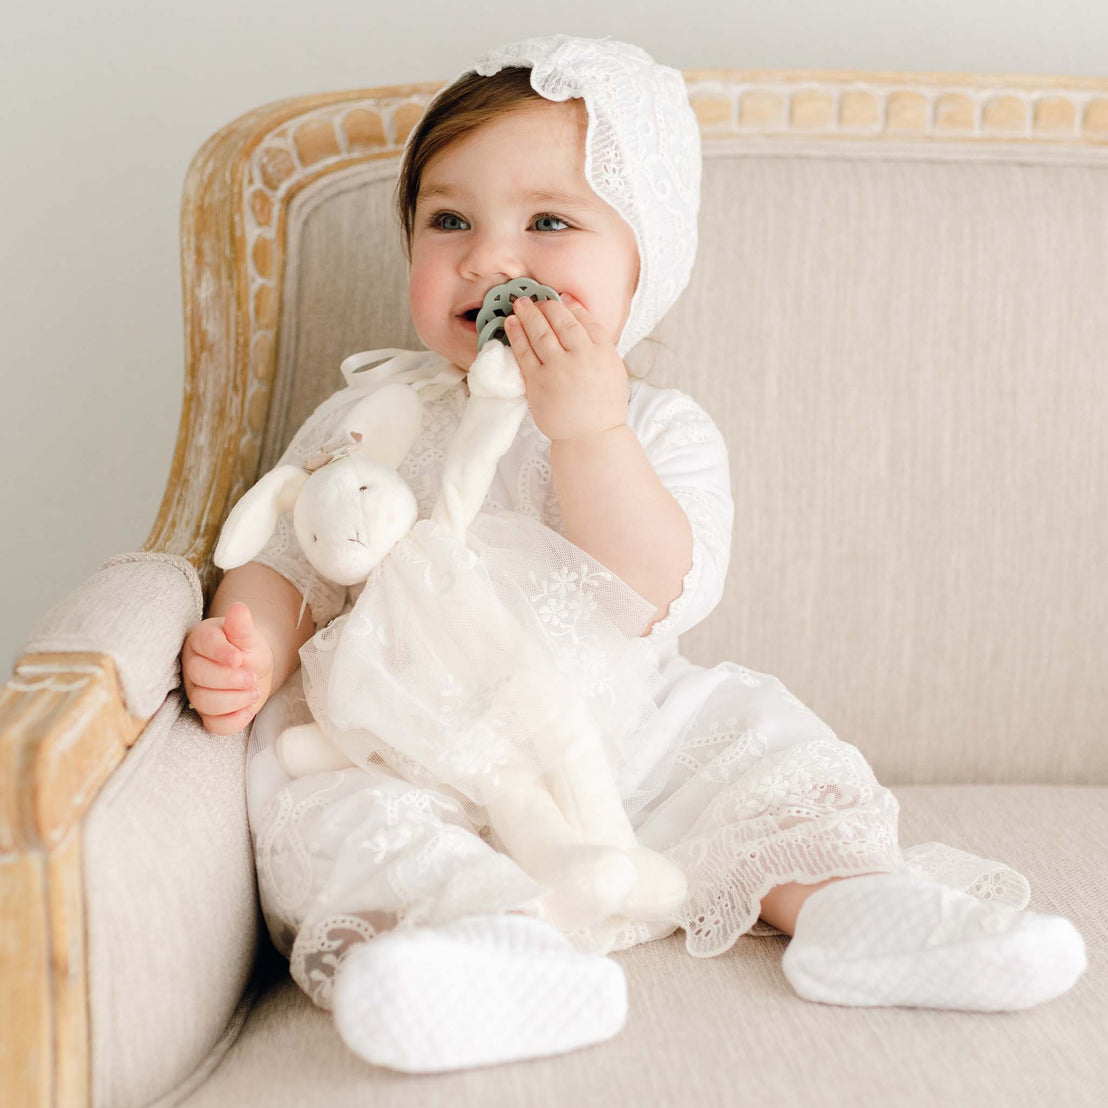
(388, 421)
(253, 519)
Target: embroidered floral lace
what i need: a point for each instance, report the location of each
(738, 782)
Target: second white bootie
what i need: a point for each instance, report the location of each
(897, 940)
(476, 992)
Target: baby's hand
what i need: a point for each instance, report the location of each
(228, 666)
(576, 381)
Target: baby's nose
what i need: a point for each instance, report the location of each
(492, 257)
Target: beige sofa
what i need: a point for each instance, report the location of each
(899, 318)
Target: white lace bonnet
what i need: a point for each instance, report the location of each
(642, 152)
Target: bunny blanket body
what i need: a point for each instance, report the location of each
(456, 663)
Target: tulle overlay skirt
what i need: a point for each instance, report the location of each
(461, 658)
(725, 772)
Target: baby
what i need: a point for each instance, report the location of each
(577, 163)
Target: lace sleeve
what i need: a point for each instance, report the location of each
(689, 456)
(282, 553)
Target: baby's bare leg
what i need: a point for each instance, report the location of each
(781, 905)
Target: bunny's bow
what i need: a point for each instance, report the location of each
(341, 446)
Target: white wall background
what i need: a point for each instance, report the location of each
(105, 103)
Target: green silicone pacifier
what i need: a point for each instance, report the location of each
(497, 306)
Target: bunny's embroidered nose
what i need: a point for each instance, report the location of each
(498, 305)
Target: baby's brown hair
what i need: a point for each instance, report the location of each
(456, 111)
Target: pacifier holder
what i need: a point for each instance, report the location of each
(499, 303)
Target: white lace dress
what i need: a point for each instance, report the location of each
(742, 785)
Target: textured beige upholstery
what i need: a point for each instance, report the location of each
(730, 1030)
(905, 352)
(904, 345)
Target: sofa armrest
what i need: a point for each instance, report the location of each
(102, 815)
(136, 609)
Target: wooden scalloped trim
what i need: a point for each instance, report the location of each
(901, 107)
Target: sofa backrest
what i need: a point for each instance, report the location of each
(898, 320)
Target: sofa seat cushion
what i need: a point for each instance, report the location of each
(730, 1030)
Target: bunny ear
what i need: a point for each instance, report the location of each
(254, 518)
(388, 421)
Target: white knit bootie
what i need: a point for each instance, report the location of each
(475, 992)
(899, 940)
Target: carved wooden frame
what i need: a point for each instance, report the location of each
(63, 724)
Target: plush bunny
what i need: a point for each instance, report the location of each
(552, 802)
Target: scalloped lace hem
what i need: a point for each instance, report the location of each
(721, 919)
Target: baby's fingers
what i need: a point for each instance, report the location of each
(595, 330)
(208, 640)
(221, 702)
(219, 686)
(202, 671)
(229, 724)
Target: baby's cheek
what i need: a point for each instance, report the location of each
(417, 307)
(424, 294)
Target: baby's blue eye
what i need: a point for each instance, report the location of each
(438, 221)
(552, 218)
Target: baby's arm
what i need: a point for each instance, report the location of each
(615, 508)
(246, 648)
(685, 452)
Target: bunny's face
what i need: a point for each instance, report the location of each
(349, 511)
(349, 515)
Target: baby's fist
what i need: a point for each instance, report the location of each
(227, 666)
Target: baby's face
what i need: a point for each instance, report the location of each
(479, 223)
